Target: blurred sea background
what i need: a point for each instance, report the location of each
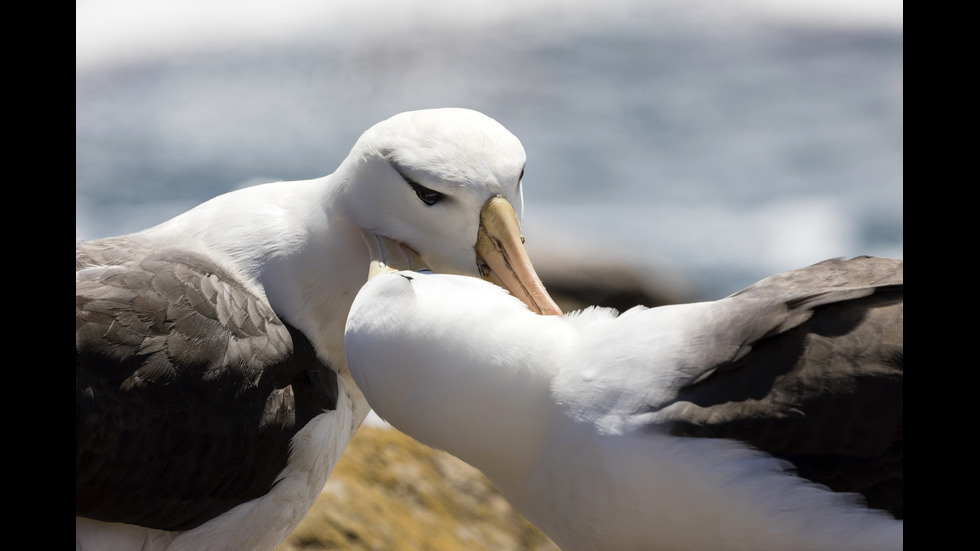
(710, 142)
(701, 144)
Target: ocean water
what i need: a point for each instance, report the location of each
(720, 143)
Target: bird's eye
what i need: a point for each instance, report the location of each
(428, 196)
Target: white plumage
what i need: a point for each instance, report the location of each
(714, 425)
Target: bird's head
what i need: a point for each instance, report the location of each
(442, 188)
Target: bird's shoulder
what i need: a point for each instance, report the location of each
(187, 384)
(135, 301)
(817, 381)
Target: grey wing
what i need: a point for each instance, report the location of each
(188, 387)
(823, 391)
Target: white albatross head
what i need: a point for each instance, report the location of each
(452, 173)
(456, 362)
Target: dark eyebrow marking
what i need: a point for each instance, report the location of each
(426, 195)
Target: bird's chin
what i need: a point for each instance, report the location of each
(388, 255)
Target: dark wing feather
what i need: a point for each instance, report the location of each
(825, 394)
(188, 387)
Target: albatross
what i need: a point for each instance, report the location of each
(769, 419)
(212, 396)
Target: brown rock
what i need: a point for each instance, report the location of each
(390, 493)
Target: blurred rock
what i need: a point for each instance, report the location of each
(390, 493)
(612, 286)
(590, 275)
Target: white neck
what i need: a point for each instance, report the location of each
(285, 238)
(490, 410)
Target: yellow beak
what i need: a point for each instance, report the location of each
(500, 255)
(503, 260)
